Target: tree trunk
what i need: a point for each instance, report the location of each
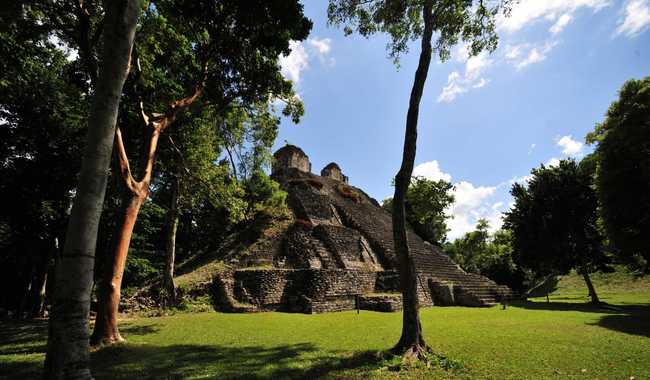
(108, 297)
(27, 294)
(37, 293)
(169, 289)
(411, 343)
(38, 308)
(106, 330)
(590, 286)
(68, 352)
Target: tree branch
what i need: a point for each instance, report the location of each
(123, 161)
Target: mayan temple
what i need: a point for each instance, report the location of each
(337, 254)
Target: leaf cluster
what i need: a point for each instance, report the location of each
(472, 22)
(426, 202)
(623, 171)
(554, 221)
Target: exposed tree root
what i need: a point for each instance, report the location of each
(414, 352)
(106, 340)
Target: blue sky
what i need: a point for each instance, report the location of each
(484, 121)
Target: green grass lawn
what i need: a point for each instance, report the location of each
(530, 340)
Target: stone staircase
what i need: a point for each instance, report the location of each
(469, 289)
(327, 262)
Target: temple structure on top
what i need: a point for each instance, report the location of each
(337, 253)
(333, 171)
(290, 156)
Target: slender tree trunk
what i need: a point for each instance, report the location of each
(39, 305)
(67, 351)
(590, 286)
(169, 288)
(108, 299)
(411, 342)
(106, 330)
(27, 294)
(37, 294)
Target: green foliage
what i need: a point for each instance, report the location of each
(146, 252)
(489, 255)
(623, 171)
(231, 45)
(472, 22)
(426, 202)
(265, 196)
(43, 105)
(554, 221)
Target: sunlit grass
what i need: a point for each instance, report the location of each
(563, 339)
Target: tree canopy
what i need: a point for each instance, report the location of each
(426, 202)
(554, 222)
(623, 171)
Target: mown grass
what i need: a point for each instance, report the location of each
(565, 338)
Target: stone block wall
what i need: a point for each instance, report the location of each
(387, 281)
(347, 245)
(306, 290)
(385, 303)
(261, 287)
(442, 293)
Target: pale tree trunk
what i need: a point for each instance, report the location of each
(106, 328)
(590, 287)
(411, 342)
(169, 288)
(67, 348)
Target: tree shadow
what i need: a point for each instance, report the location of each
(22, 337)
(633, 324)
(631, 319)
(180, 361)
(138, 330)
(223, 362)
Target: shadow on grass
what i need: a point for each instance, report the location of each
(138, 330)
(19, 339)
(631, 319)
(222, 362)
(144, 361)
(22, 337)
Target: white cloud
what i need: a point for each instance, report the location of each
(561, 23)
(475, 65)
(521, 180)
(570, 147)
(534, 56)
(471, 202)
(323, 46)
(553, 162)
(514, 51)
(292, 65)
(481, 83)
(636, 18)
(452, 89)
(457, 83)
(431, 170)
(528, 12)
(519, 58)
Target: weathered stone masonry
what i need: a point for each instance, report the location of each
(339, 255)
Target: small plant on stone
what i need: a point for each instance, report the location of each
(348, 192)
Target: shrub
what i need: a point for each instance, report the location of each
(348, 192)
